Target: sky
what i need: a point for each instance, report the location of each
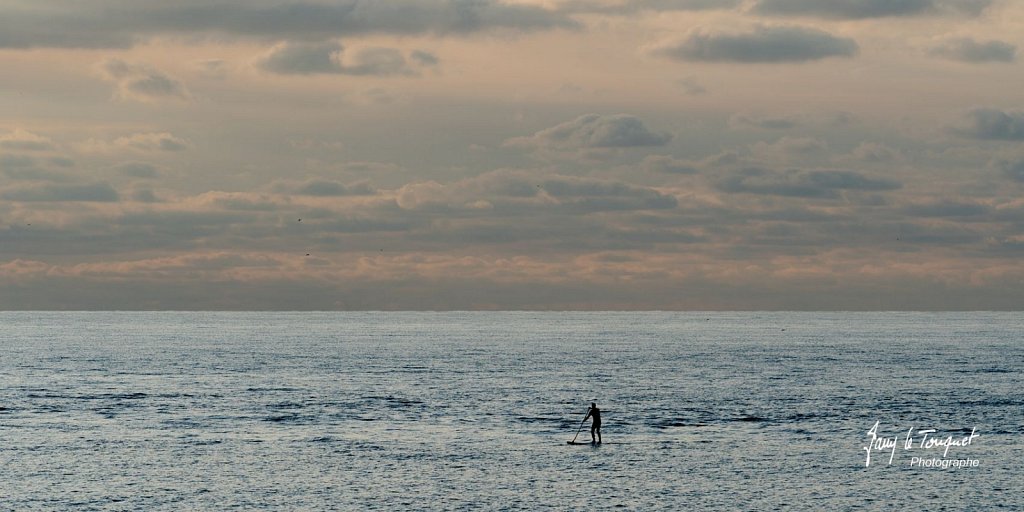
(517, 154)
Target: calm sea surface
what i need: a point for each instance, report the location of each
(472, 411)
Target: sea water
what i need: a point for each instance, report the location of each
(472, 411)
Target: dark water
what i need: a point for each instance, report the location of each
(472, 411)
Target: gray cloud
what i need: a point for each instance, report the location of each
(95, 192)
(302, 58)
(514, 193)
(951, 209)
(244, 202)
(1013, 170)
(595, 131)
(124, 23)
(993, 124)
(143, 83)
(691, 86)
(536, 228)
(768, 123)
(152, 142)
(16, 161)
(142, 142)
(184, 289)
(144, 195)
(761, 45)
(168, 143)
(330, 58)
(24, 167)
(789, 146)
(969, 50)
(61, 161)
(667, 165)
(212, 68)
(182, 221)
(634, 6)
(35, 174)
(378, 61)
(872, 152)
(863, 9)
(327, 188)
(138, 170)
(587, 195)
(685, 5)
(424, 58)
(800, 183)
(21, 140)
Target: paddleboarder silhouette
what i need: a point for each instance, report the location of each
(595, 427)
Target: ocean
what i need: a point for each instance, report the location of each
(473, 411)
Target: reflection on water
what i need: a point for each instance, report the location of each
(385, 411)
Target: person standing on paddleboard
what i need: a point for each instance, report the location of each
(595, 413)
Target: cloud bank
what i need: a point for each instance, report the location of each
(864, 9)
(331, 58)
(994, 124)
(969, 50)
(595, 131)
(126, 23)
(801, 183)
(143, 83)
(764, 44)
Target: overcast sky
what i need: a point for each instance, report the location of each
(537, 154)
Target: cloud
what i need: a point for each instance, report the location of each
(599, 280)
(670, 165)
(523, 228)
(691, 86)
(61, 161)
(767, 123)
(378, 61)
(331, 58)
(1013, 170)
(516, 193)
(684, 5)
(594, 131)
(141, 82)
(764, 44)
(212, 68)
(138, 170)
(872, 152)
(993, 124)
(667, 165)
(800, 183)
(864, 9)
(424, 58)
(141, 142)
(326, 188)
(302, 58)
(598, 195)
(95, 192)
(788, 146)
(21, 140)
(153, 142)
(625, 7)
(16, 161)
(969, 50)
(947, 209)
(24, 167)
(238, 201)
(144, 195)
(125, 23)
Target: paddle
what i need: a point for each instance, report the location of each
(579, 429)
